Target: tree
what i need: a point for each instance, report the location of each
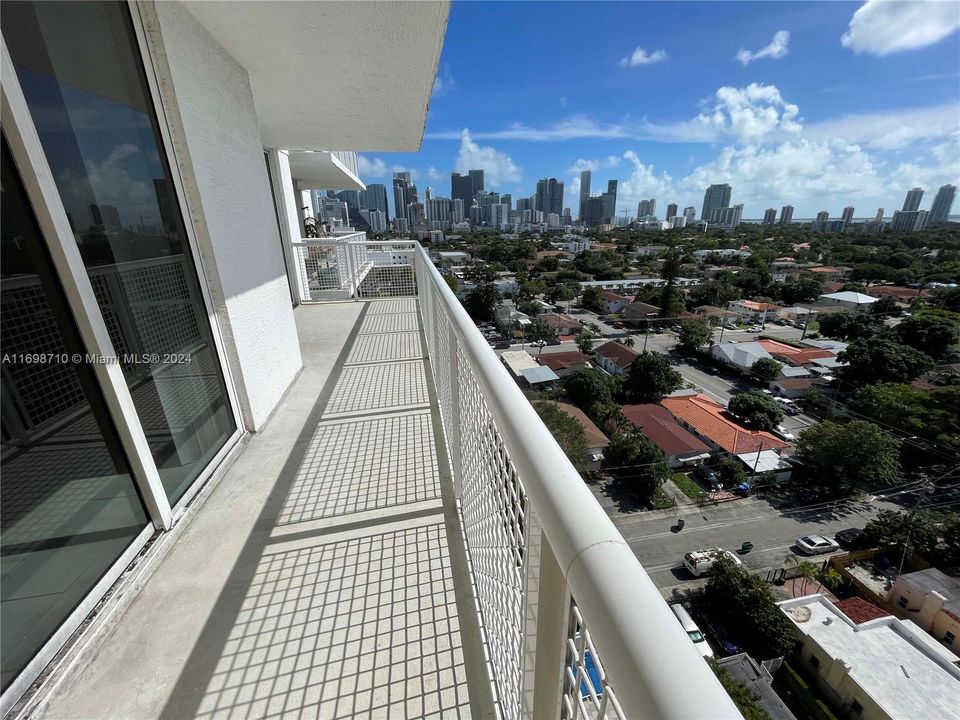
(933, 534)
(584, 340)
(591, 297)
(804, 290)
(929, 415)
(848, 325)
(765, 370)
(929, 333)
(538, 330)
(693, 334)
(627, 341)
(671, 304)
(650, 377)
(745, 603)
(730, 472)
(847, 457)
(588, 386)
(568, 433)
(482, 301)
(451, 280)
(560, 293)
(885, 307)
(639, 460)
(756, 410)
(878, 360)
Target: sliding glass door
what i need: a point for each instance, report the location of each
(83, 79)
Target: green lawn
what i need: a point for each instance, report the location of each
(687, 485)
(661, 500)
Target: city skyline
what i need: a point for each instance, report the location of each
(729, 100)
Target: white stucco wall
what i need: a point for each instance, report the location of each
(239, 223)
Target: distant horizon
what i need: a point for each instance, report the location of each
(816, 105)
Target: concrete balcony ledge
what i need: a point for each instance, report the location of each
(325, 576)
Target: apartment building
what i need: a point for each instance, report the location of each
(216, 494)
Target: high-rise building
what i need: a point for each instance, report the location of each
(690, 213)
(728, 217)
(847, 215)
(456, 210)
(549, 197)
(940, 209)
(524, 204)
(908, 220)
(416, 214)
(428, 193)
(507, 199)
(786, 214)
(438, 212)
(476, 178)
(377, 220)
(333, 212)
(610, 202)
(593, 211)
(585, 176)
(351, 198)
(911, 202)
(678, 221)
(403, 193)
(566, 218)
(461, 188)
(715, 198)
(376, 199)
(671, 210)
(648, 208)
(769, 216)
(818, 225)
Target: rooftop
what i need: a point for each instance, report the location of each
(851, 297)
(563, 360)
(594, 435)
(860, 610)
(658, 424)
(710, 420)
(618, 354)
(934, 580)
(905, 671)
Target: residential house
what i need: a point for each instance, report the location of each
(797, 315)
(931, 599)
(597, 442)
(752, 311)
(740, 355)
(562, 324)
(827, 272)
(901, 295)
(679, 446)
(564, 363)
(791, 388)
(639, 312)
(762, 462)
(881, 669)
(849, 300)
(612, 303)
(526, 370)
(710, 421)
(712, 314)
(614, 357)
(509, 320)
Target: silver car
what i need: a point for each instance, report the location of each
(816, 545)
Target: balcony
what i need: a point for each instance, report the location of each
(404, 539)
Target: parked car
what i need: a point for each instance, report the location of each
(781, 432)
(788, 406)
(693, 632)
(708, 477)
(502, 345)
(723, 637)
(816, 545)
(538, 343)
(853, 539)
(699, 562)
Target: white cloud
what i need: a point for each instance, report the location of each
(775, 50)
(751, 113)
(434, 174)
(892, 129)
(443, 83)
(883, 27)
(497, 166)
(371, 167)
(642, 183)
(642, 57)
(570, 128)
(580, 165)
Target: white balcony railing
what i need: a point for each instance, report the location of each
(572, 625)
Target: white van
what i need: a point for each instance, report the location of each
(699, 562)
(788, 406)
(693, 632)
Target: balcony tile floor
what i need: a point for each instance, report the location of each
(321, 577)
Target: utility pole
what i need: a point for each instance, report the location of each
(928, 488)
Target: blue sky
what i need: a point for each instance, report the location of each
(819, 105)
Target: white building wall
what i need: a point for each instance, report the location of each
(232, 208)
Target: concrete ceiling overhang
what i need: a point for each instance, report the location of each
(334, 75)
(315, 170)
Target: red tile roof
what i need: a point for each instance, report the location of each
(562, 360)
(594, 436)
(607, 295)
(657, 423)
(710, 420)
(618, 354)
(860, 610)
(802, 357)
(557, 320)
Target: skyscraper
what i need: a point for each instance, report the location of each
(671, 210)
(769, 216)
(549, 197)
(648, 208)
(461, 188)
(376, 199)
(690, 213)
(476, 177)
(786, 214)
(457, 210)
(821, 220)
(403, 194)
(610, 202)
(847, 215)
(728, 216)
(428, 193)
(524, 204)
(940, 210)
(584, 192)
(911, 203)
(715, 198)
(593, 211)
(507, 199)
(438, 211)
(908, 220)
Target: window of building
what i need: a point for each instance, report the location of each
(902, 602)
(856, 708)
(814, 662)
(83, 78)
(948, 638)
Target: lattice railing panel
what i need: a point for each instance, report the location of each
(587, 694)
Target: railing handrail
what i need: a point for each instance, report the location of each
(655, 669)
